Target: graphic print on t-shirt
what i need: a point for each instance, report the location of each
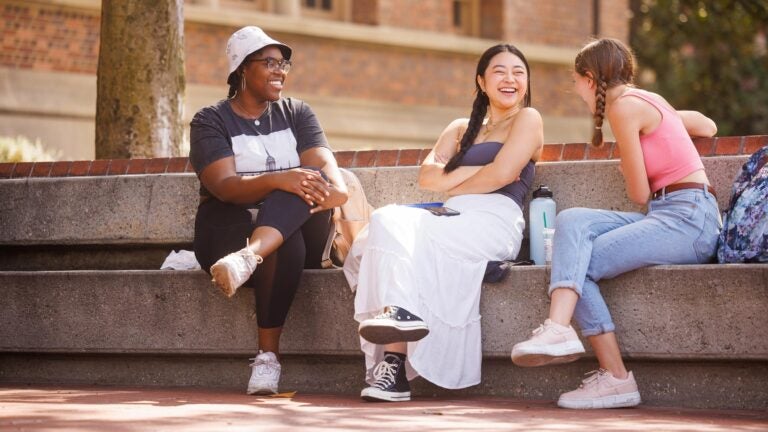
(252, 152)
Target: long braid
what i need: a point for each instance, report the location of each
(597, 135)
(479, 109)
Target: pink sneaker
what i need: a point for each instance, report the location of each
(602, 390)
(551, 343)
(232, 271)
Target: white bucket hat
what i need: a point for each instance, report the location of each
(248, 40)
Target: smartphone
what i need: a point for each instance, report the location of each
(442, 211)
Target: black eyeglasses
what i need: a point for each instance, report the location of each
(274, 64)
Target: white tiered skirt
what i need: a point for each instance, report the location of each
(433, 266)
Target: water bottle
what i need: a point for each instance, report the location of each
(541, 215)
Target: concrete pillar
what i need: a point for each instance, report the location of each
(288, 7)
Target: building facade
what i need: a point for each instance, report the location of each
(379, 73)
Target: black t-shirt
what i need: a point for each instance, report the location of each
(271, 143)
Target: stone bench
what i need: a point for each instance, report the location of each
(83, 300)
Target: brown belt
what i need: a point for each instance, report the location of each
(680, 186)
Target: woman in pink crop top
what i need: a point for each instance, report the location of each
(661, 167)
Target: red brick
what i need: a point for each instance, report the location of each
(705, 146)
(157, 165)
(754, 143)
(573, 152)
(386, 158)
(409, 157)
(615, 154)
(118, 166)
(189, 168)
(79, 168)
(344, 158)
(177, 165)
(60, 169)
(41, 169)
(98, 167)
(552, 152)
(137, 166)
(598, 153)
(6, 169)
(366, 158)
(22, 169)
(728, 145)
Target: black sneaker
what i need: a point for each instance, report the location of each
(394, 325)
(391, 384)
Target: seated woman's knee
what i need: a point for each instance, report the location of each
(572, 218)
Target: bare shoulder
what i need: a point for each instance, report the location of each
(458, 124)
(529, 115)
(627, 106)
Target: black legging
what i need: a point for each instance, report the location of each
(222, 228)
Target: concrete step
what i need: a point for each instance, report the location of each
(691, 329)
(696, 312)
(713, 385)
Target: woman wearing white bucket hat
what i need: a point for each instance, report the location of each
(256, 150)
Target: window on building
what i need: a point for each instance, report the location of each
(466, 17)
(329, 9)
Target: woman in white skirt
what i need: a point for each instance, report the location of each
(418, 274)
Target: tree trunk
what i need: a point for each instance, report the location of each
(140, 79)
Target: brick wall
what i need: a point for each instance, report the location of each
(365, 12)
(719, 146)
(49, 38)
(553, 22)
(54, 38)
(433, 15)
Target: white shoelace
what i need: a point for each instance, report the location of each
(538, 330)
(388, 314)
(265, 366)
(246, 253)
(593, 377)
(384, 374)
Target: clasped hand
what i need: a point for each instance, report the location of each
(310, 186)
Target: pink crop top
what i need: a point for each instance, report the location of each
(668, 151)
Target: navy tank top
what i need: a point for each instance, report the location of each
(484, 153)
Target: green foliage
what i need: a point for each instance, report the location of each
(709, 56)
(21, 149)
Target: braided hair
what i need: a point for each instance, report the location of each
(609, 63)
(480, 105)
(235, 79)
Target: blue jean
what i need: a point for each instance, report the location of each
(590, 245)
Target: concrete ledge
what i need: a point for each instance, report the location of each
(160, 209)
(696, 312)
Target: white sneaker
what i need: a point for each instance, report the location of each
(232, 271)
(551, 343)
(602, 390)
(265, 374)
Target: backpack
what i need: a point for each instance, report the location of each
(347, 221)
(744, 237)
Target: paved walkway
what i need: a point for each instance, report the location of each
(118, 409)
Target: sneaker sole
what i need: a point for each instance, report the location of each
(383, 334)
(627, 400)
(372, 394)
(541, 356)
(221, 279)
(261, 391)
